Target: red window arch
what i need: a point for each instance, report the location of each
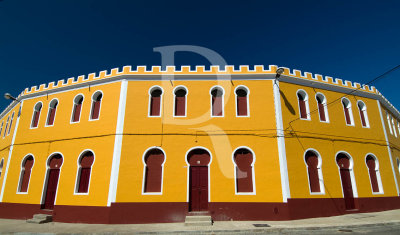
(26, 168)
(347, 111)
(362, 108)
(155, 101)
(180, 101)
(313, 168)
(373, 173)
(154, 160)
(96, 104)
(243, 159)
(241, 101)
(217, 102)
(321, 100)
(52, 112)
(36, 114)
(85, 168)
(302, 97)
(76, 112)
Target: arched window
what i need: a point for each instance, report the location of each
(217, 101)
(11, 122)
(5, 129)
(84, 169)
(26, 167)
(96, 105)
(155, 101)
(348, 114)
(388, 122)
(1, 128)
(180, 101)
(76, 110)
(153, 171)
(398, 127)
(363, 113)
(394, 128)
(303, 104)
(398, 165)
(36, 114)
(314, 172)
(322, 108)
(1, 166)
(242, 101)
(51, 115)
(374, 175)
(244, 170)
(54, 164)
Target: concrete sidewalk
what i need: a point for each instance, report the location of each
(353, 221)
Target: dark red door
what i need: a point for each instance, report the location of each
(198, 188)
(51, 190)
(347, 189)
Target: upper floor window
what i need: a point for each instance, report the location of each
(363, 113)
(96, 105)
(374, 175)
(5, 129)
(155, 101)
(398, 127)
(217, 102)
(180, 101)
(348, 114)
(242, 101)
(1, 127)
(303, 104)
(1, 166)
(388, 122)
(36, 114)
(394, 128)
(51, 115)
(11, 122)
(322, 108)
(76, 110)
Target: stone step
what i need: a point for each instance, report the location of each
(40, 219)
(198, 220)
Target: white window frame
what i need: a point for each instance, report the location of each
(144, 171)
(252, 171)
(95, 94)
(174, 101)
(363, 109)
(22, 172)
(320, 175)
(303, 93)
(78, 172)
(223, 101)
(247, 100)
(33, 115)
(161, 101)
(348, 106)
(324, 103)
(73, 108)
(377, 172)
(55, 100)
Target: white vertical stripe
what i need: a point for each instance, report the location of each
(388, 147)
(10, 153)
(112, 192)
(281, 142)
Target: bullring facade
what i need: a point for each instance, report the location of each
(145, 146)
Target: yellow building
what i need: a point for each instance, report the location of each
(144, 146)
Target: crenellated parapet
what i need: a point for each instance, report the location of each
(244, 70)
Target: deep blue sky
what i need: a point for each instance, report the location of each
(44, 41)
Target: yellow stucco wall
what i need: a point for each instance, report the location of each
(220, 135)
(330, 138)
(69, 139)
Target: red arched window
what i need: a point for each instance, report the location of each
(180, 102)
(11, 122)
(36, 114)
(347, 111)
(243, 159)
(373, 173)
(322, 108)
(363, 113)
(241, 101)
(155, 101)
(303, 106)
(313, 169)
(153, 160)
(217, 102)
(76, 112)
(52, 112)
(1, 166)
(25, 176)
(96, 104)
(85, 168)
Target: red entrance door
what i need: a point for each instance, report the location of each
(347, 189)
(51, 190)
(198, 188)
